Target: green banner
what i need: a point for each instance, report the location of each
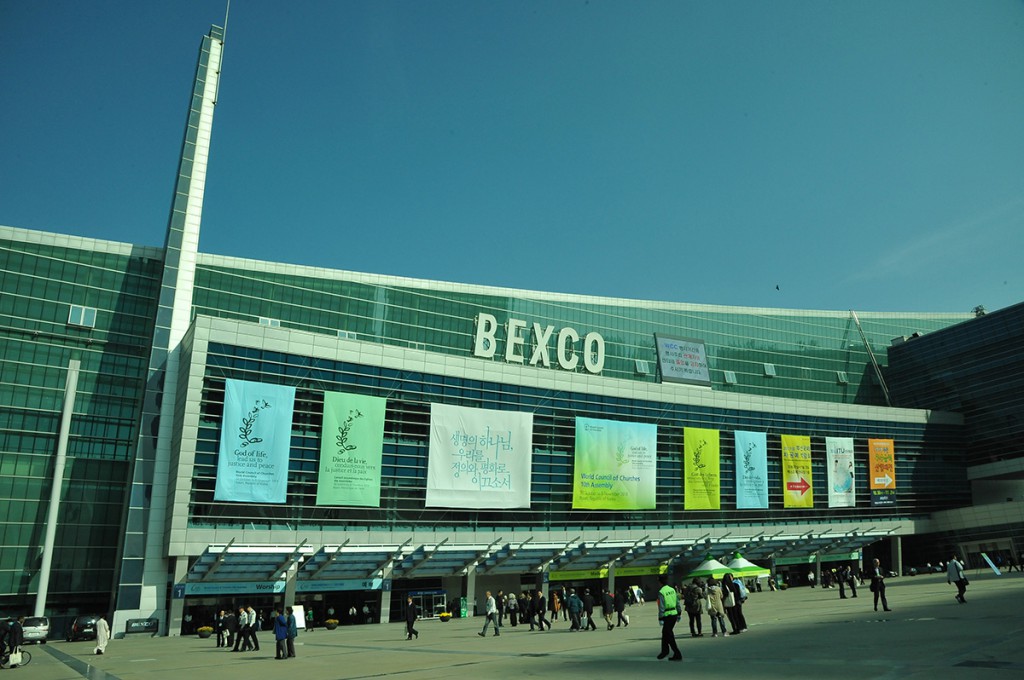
(350, 450)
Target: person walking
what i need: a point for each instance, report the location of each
(254, 625)
(491, 611)
(499, 600)
(512, 605)
(412, 612)
(240, 623)
(230, 627)
(588, 609)
(878, 585)
(620, 609)
(541, 611)
(102, 635)
(529, 609)
(607, 607)
(575, 607)
(693, 603)
(668, 614)
(955, 574)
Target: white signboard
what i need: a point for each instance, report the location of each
(682, 360)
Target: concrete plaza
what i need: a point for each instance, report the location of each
(798, 633)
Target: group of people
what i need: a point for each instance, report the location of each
(577, 608)
(720, 599)
(238, 631)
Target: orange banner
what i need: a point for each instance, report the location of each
(882, 471)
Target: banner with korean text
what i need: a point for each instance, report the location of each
(615, 465)
(701, 474)
(479, 458)
(842, 492)
(751, 470)
(350, 450)
(882, 471)
(255, 436)
(797, 483)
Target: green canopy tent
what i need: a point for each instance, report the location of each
(746, 569)
(710, 567)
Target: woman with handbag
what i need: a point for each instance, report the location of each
(955, 574)
(716, 609)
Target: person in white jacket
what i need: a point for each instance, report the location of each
(955, 574)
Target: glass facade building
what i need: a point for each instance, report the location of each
(411, 342)
(159, 331)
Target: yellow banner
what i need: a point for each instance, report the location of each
(797, 487)
(701, 477)
(587, 574)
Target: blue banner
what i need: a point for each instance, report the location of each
(751, 470)
(254, 441)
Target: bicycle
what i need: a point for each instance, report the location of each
(26, 659)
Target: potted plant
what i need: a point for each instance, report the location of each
(331, 624)
(204, 631)
(445, 617)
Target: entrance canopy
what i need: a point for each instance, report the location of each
(350, 566)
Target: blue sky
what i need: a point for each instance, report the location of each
(865, 155)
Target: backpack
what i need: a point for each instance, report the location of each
(744, 593)
(691, 600)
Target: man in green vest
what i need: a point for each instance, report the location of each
(668, 614)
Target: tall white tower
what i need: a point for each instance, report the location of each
(143, 573)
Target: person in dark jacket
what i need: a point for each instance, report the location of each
(620, 608)
(218, 623)
(412, 612)
(539, 604)
(607, 607)
(293, 630)
(230, 627)
(588, 607)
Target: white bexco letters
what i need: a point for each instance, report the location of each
(486, 345)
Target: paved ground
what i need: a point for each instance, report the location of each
(801, 633)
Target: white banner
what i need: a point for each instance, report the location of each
(842, 491)
(479, 458)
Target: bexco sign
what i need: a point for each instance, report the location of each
(486, 344)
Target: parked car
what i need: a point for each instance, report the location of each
(36, 629)
(82, 628)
